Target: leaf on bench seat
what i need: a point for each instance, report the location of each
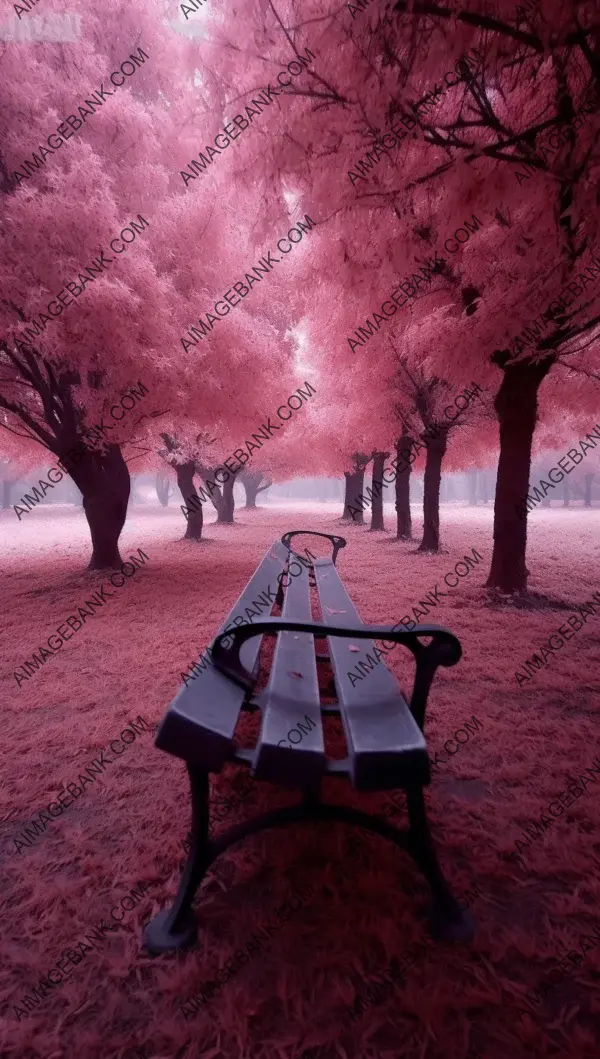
(354, 649)
(294, 673)
(332, 610)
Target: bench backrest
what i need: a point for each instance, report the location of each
(201, 719)
(383, 738)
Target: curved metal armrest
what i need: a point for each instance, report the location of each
(444, 649)
(338, 542)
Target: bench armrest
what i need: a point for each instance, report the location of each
(338, 542)
(444, 649)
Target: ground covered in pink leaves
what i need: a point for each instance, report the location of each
(291, 1001)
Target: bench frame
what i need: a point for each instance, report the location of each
(176, 927)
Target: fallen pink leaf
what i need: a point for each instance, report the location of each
(354, 649)
(294, 673)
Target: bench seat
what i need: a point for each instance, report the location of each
(385, 744)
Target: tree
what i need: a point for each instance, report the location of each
(404, 444)
(251, 481)
(62, 369)
(65, 361)
(379, 459)
(354, 487)
(185, 468)
(221, 496)
(462, 156)
(425, 397)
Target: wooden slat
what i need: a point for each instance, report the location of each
(201, 719)
(385, 745)
(290, 699)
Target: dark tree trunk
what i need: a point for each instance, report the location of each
(251, 491)
(359, 489)
(195, 517)
(104, 482)
(403, 517)
(251, 481)
(227, 505)
(162, 485)
(431, 493)
(354, 487)
(212, 488)
(6, 488)
(516, 406)
(378, 486)
(587, 494)
(347, 492)
(566, 495)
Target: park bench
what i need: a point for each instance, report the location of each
(384, 735)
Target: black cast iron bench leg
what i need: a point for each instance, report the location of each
(447, 921)
(176, 927)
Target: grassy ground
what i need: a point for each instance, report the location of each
(359, 908)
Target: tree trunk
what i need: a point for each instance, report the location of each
(431, 493)
(566, 497)
(227, 505)
(516, 407)
(354, 487)
(403, 516)
(587, 495)
(103, 480)
(251, 481)
(251, 491)
(347, 491)
(195, 517)
(472, 482)
(378, 486)
(359, 489)
(6, 488)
